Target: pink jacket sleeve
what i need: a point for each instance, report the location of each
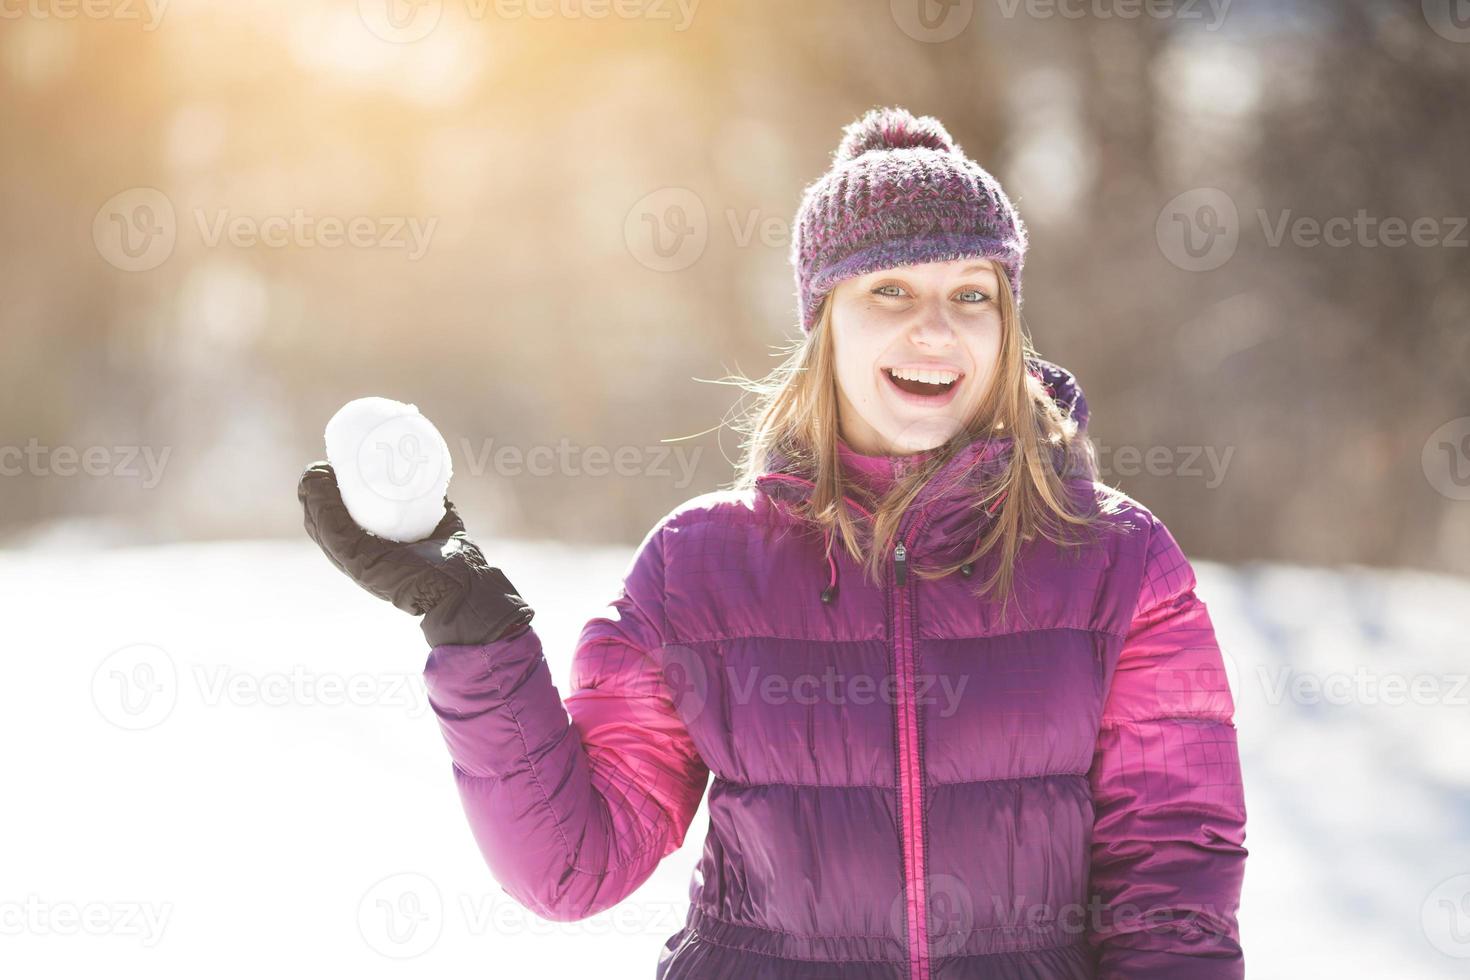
(1167, 854)
(573, 806)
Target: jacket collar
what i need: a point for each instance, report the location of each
(877, 473)
(934, 514)
(944, 520)
(953, 488)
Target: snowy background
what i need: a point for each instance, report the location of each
(220, 762)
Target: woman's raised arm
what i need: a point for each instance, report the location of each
(572, 816)
(572, 812)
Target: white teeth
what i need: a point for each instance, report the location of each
(933, 376)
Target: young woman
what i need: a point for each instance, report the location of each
(965, 714)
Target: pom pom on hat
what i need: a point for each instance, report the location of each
(892, 129)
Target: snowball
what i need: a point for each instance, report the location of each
(392, 466)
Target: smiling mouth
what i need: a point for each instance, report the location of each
(925, 389)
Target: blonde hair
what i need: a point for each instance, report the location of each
(796, 414)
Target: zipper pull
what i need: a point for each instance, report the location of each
(901, 563)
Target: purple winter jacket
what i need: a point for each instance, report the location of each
(903, 787)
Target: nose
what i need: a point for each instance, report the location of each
(931, 329)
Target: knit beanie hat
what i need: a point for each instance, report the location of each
(900, 192)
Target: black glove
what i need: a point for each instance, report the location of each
(444, 577)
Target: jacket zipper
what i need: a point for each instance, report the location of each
(910, 775)
(910, 780)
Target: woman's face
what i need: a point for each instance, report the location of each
(937, 323)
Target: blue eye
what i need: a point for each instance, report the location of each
(978, 296)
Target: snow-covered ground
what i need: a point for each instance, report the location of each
(219, 762)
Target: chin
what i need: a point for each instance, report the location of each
(922, 435)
